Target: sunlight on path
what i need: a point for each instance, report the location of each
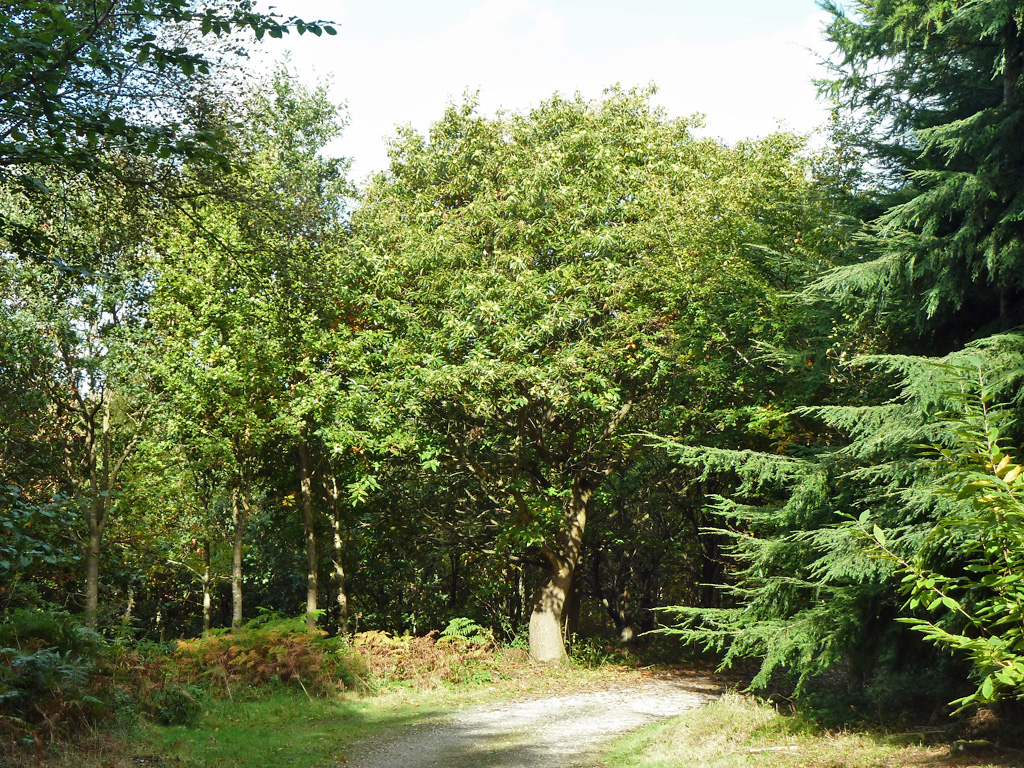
(556, 732)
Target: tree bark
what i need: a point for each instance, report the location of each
(547, 645)
(97, 458)
(207, 595)
(338, 572)
(309, 533)
(239, 517)
(1013, 63)
(92, 565)
(572, 609)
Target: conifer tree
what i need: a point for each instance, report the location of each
(932, 92)
(936, 88)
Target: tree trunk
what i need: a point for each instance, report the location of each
(338, 573)
(1013, 65)
(98, 457)
(572, 609)
(103, 472)
(239, 516)
(207, 597)
(546, 639)
(546, 645)
(92, 561)
(309, 533)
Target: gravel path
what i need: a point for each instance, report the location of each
(553, 732)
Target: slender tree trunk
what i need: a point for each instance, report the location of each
(572, 609)
(92, 560)
(127, 618)
(546, 643)
(103, 472)
(207, 596)
(98, 458)
(1014, 63)
(338, 572)
(1012, 70)
(239, 517)
(309, 533)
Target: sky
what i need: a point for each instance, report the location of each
(747, 65)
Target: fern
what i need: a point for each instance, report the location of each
(466, 630)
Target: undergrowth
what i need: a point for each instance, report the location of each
(51, 678)
(270, 650)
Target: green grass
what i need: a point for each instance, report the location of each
(283, 728)
(286, 728)
(738, 731)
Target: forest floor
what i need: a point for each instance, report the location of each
(608, 717)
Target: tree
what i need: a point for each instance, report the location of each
(980, 602)
(561, 279)
(808, 594)
(253, 360)
(929, 93)
(936, 90)
(93, 318)
(87, 81)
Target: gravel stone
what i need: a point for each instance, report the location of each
(566, 731)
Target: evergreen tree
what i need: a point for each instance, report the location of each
(936, 90)
(931, 90)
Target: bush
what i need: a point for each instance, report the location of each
(429, 660)
(172, 703)
(50, 681)
(969, 575)
(271, 649)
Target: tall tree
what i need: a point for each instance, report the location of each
(253, 357)
(561, 279)
(936, 89)
(931, 90)
(92, 310)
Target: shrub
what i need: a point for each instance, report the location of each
(427, 661)
(974, 589)
(467, 631)
(271, 649)
(50, 681)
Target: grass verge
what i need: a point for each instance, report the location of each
(739, 731)
(278, 725)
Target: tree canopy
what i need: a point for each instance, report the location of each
(572, 372)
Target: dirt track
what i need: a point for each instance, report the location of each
(567, 731)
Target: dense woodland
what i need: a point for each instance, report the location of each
(571, 373)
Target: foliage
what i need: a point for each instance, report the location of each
(426, 661)
(558, 279)
(935, 92)
(31, 534)
(979, 593)
(928, 96)
(49, 675)
(807, 597)
(90, 81)
(466, 630)
(268, 649)
(593, 653)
